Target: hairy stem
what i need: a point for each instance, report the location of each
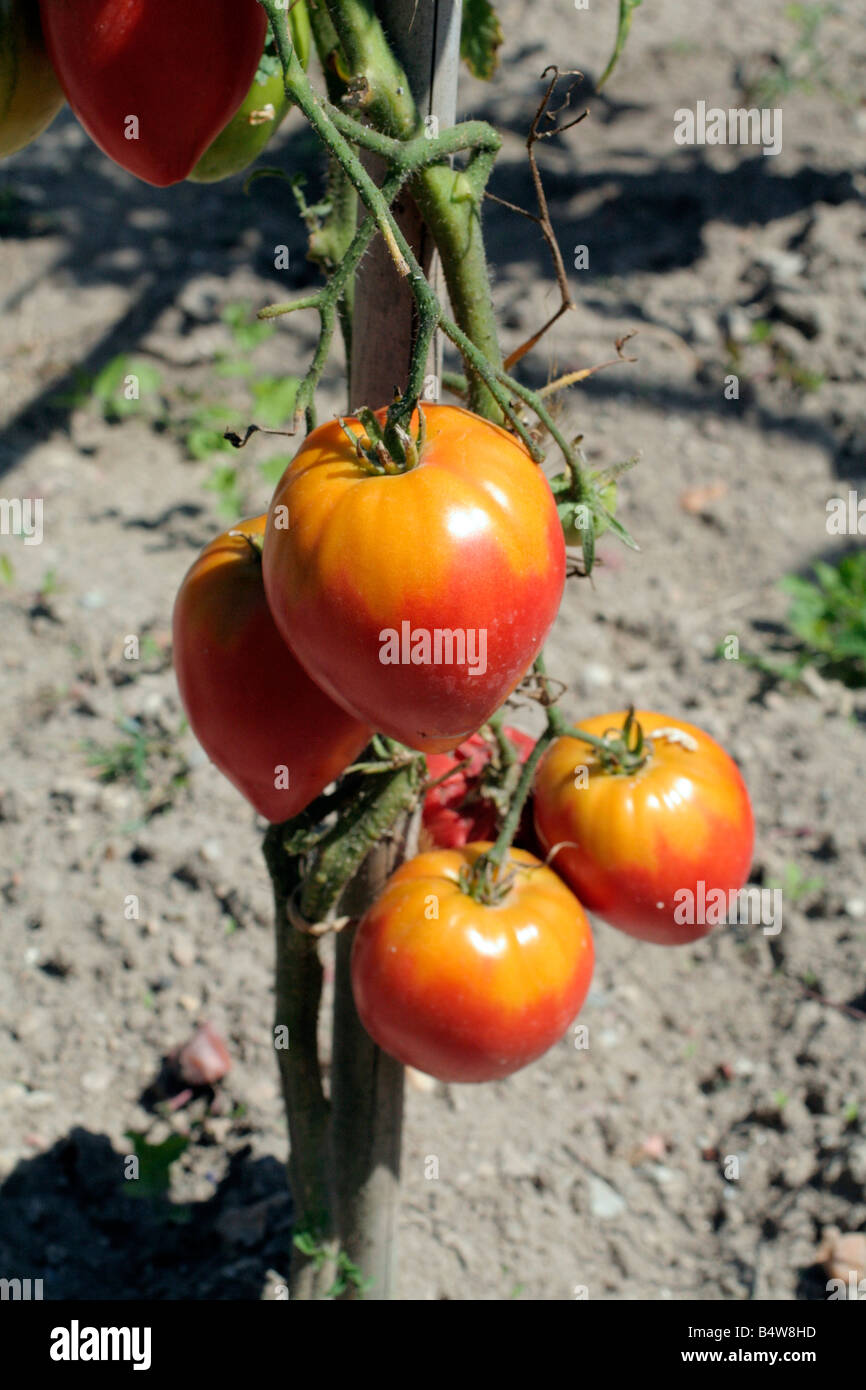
(380, 86)
(451, 208)
(449, 203)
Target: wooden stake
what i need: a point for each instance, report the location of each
(367, 1085)
(425, 35)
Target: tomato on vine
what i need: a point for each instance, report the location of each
(154, 82)
(254, 710)
(471, 787)
(261, 111)
(650, 817)
(416, 596)
(30, 95)
(471, 988)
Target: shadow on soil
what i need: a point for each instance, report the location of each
(68, 1217)
(154, 241)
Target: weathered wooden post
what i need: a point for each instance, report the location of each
(367, 1085)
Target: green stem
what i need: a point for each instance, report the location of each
(477, 363)
(327, 46)
(329, 243)
(330, 299)
(556, 720)
(450, 205)
(450, 202)
(340, 854)
(507, 750)
(496, 855)
(299, 88)
(381, 87)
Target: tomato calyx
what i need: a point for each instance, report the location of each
(385, 450)
(586, 503)
(624, 751)
(255, 542)
(485, 882)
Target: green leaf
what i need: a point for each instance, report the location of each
(247, 331)
(274, 400)
(126, 386)
(827, 618)
(234, 367)
(269, 66)
(306, 1243)
(201, 443)
(480, 38)
(7, 570)
(154, 1163)
(225, 483)
(202, 432)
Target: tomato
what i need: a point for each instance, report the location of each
(416, 599)
(637, 844)
(260, 112)
(457, 811)
(30, 95)
(154, 82)
(463, 990)
(248, 131)
(251, 706)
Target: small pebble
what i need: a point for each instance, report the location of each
(182, 950)
(96, 1080)
(604, 1201)
(38, 1100)
(92, 599)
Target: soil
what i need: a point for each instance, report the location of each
(132, 909)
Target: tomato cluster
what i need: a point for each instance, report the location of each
(468, 787)
(402, 583)
(299, 634)
(127, 69)
(280, 640)
(641, 830)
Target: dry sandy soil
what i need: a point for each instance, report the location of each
(602, 1168)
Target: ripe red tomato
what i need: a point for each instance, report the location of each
(417, 599)
(253, 709)
(154, 82)
(260, 112)
(456, 811)
(466, 991)
(637, 844)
